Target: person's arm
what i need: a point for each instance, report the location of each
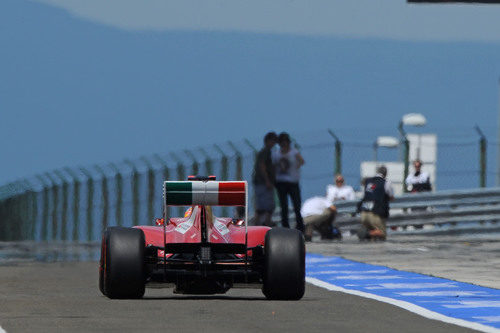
(389, 190)
(300, 160)
(350, 194)
(330, 195)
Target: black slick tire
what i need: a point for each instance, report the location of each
(124, 266)
(284, 264)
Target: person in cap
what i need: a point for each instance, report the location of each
(374, 206)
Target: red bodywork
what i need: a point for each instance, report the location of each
(189, 230)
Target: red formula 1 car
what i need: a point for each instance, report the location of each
(201, 253)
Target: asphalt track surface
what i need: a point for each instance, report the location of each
(63, 296)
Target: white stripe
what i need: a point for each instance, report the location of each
(205, 193)
(2, 330)
(212, 193)
(405, 305)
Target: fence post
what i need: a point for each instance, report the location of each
(482, 157)
(166, 175)
(76, 203)
(45, 208)
(135, 192)
(224, 163)
(406, 154)
(119, 193)
(208, 162)
(338, 154)
(90, 203)
(105, 197)
(64, 210)
(195, 166)
(239, 161)
(224, 170)
(181, 175)
(32, 202)
(255, 152)
(55, 203)
(252, 147)
(19, 207)
(151, 188)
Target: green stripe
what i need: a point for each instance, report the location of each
(180, 193)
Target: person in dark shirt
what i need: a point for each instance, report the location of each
(263, 181)
(374, 206)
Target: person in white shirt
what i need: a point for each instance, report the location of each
(419, 181)
(287, 162)
(318, 214)
(339, 191)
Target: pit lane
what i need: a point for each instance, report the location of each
(63, 296)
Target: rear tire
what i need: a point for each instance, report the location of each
(284, 264)
(124, 266)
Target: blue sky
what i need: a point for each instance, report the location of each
(85, 82)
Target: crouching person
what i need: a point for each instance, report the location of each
(374, 206)
(319, 214)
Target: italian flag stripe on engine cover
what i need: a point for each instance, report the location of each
(205, 193)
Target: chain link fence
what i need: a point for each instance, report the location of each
(76, 204)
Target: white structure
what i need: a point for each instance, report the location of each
(421, 146)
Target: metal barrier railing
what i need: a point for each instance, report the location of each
(444, 212)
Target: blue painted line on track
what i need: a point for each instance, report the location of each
(447, 297)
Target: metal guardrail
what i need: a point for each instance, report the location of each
(438, 213)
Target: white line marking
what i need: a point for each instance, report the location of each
(406, 305)
(474, 304)
(489, 319)
(451, 293)
(364, 277)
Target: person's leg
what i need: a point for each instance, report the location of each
(294, 189)
(283, 198)
(268, 219)
(379, 228)
(326, 228)
(310, 222)
(365, 227)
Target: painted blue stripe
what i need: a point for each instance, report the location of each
(450, 298)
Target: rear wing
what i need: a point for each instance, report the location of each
(210, 193)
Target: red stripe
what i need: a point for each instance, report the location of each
(232, 194)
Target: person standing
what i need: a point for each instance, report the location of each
(374, 206)
(287, 162)
(263, 181)
(419, 181)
